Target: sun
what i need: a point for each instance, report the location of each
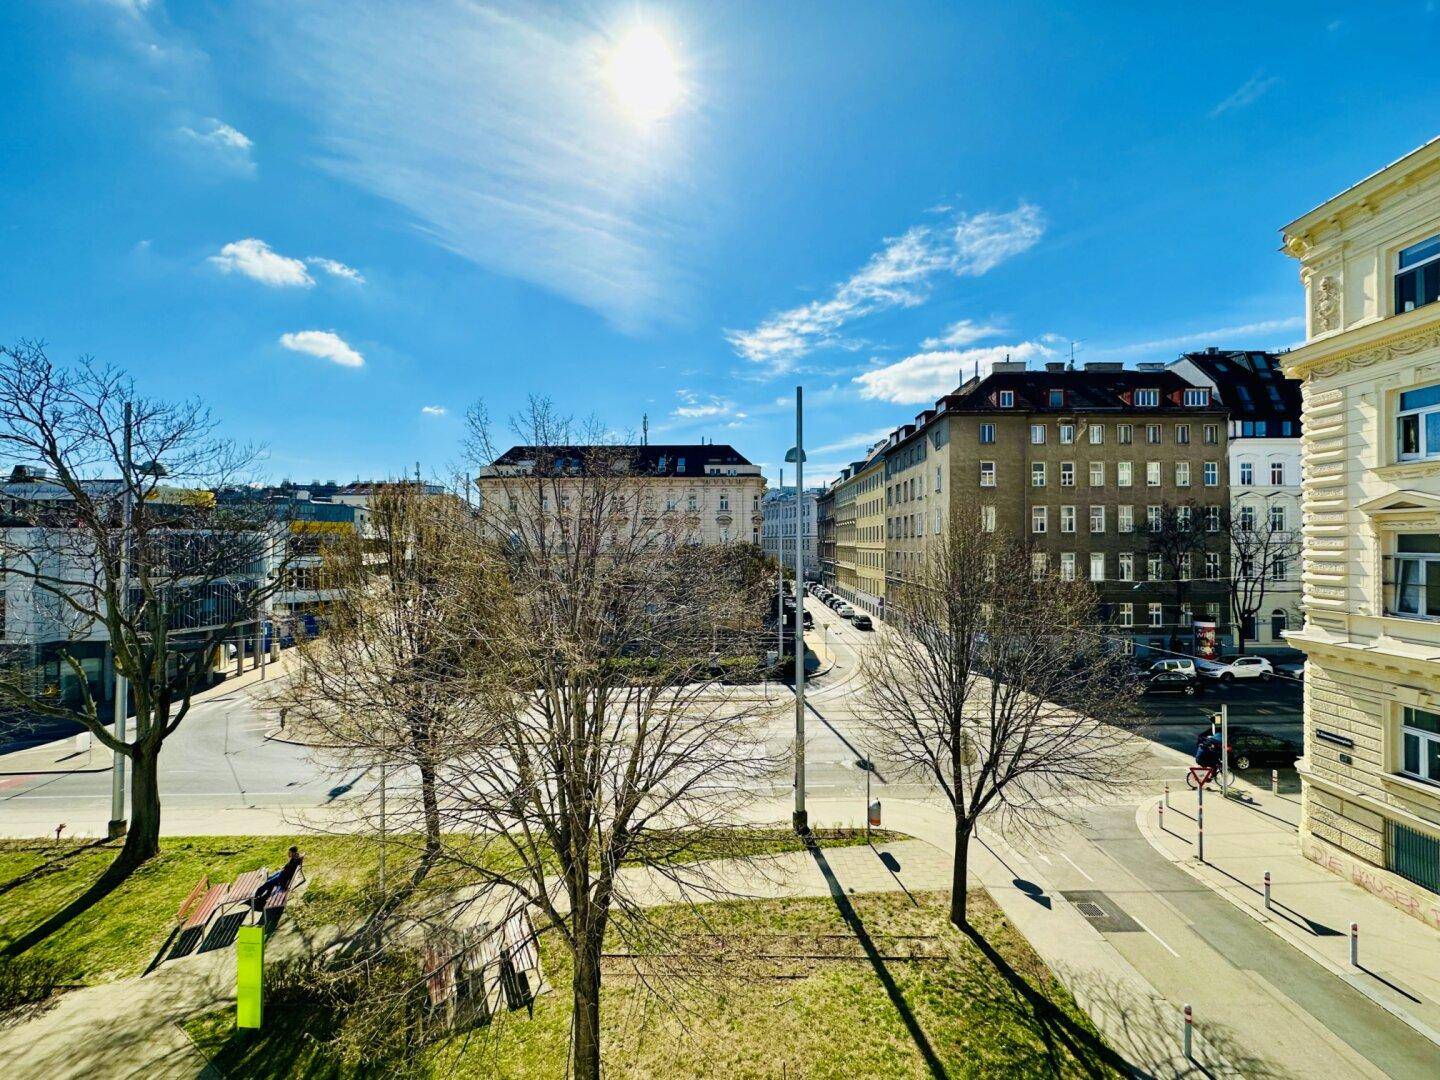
(643, 75)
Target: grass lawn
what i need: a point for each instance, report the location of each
(121, 933)
(773, 1010)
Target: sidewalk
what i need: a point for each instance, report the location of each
(1253, 832)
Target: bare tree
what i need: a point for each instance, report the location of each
(1262, 545)
(126, 541)
(1181, 537)
(996, 682)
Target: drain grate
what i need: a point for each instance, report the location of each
(1102, 912)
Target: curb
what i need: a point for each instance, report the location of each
(1143, 814)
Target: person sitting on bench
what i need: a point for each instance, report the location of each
(280, 879)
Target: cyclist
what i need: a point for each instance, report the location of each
(1207, 758)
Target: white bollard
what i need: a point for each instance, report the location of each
(1200, 823)
(1275, 782)
(1167, 792)
(1267, 890)
(1189, 1033)
(1354, 944)
(1162, 817)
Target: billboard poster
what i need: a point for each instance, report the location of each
(1207, 641)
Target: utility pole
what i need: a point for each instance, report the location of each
(801, 817)
(780, 582)
(117, 824)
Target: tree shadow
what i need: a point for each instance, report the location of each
(892, 990)
(51, 866)
(115, 875)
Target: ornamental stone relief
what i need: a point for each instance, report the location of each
(1401, 347)
(1327, 306)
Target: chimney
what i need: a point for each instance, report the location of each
(1103, 365)
(1149, 367)
(1055, 365)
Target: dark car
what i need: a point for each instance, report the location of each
(862, 621)
(1252, 748)
(1172, 682)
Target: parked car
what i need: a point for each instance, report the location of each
(1253, 748)
(1291, 671)
(1172, 681)
(862, 621)
(1242, 667)
(1184, 664)
(846, 611)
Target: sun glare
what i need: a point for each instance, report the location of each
(643, 75)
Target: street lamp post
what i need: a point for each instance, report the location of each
(117, 824)
(800, 817)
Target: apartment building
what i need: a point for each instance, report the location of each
(777, 530)
(1263, 461)
(1370, 367)
(1081, 466)
(702, 494)
(859, 524)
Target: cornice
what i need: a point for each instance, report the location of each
(1376, 342)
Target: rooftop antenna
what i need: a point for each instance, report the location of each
(645, 429)
(1072, 352)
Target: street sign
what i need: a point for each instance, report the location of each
(249, 976)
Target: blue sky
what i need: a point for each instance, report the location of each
(342, 223)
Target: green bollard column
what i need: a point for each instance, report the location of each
(249, 976)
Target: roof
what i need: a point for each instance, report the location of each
(1373, 183)
(1250, 383)
(1084, 391)
(653, 459)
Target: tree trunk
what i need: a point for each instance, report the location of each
(585, 1022)
(959, 883)
(142, 840)
(431, 805)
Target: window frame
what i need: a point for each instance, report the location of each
(1147, 397)
(987, 474)
(1422, 427)
(1423, 740)
(1426, 564)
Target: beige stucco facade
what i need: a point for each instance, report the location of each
(1371, 499)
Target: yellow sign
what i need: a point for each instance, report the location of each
(249, 976)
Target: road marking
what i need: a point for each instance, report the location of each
(1073, 863)
(1156, 936)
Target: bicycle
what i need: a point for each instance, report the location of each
(1201, 775)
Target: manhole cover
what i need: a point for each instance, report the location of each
(1101, 911)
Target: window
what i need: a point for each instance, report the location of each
(1154, 570)
(1067, 566)
(1152, 518)
(1127, 614)
(1197, 399)
(1277, 518)
(1067, 474)
(1247, 519)
(1038, 561)
(1152, 434)
(1212, 566)
(1097, 474)
(1097, 434)
(1182, 516)
(1417, 575)
(1097, 519)
(1157, 615)
(1279, 569)
(987, 433)
(1097, 566)
(1067, 433)
(1212, 519)
(1126, 516)
(1147, 399)
(1182, 433)
(987, 518)
(1124, 434)
(1277, 473)
(1182, 474)
(1007, 399)
(1124, 473)
(1212, 434)
(724, 500)
(1152, 474)
(691, 503)
(1420, 744)
(1057, 399)
(1418, 423)
(1067, 519)
(1039, 518)
(1127, 566)
(937, 478)
(1247, 473)
(987, 474)
(1212, 474)
(1417, 275)
(1037, 434)
(1184, 569)
(1037, 474)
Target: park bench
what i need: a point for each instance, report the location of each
(242, 889)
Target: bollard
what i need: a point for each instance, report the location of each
(1354, 944)
(1267, 890)
(1200, 823)
(1189, 1033)
(1162, 817)
(1275, 782)
(1167, 792)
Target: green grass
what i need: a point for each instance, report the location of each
(980, 1014)
(121, 933)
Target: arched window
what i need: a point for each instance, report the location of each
(1279, 621)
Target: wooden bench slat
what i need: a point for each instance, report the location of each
(201, 887)
(201, 915)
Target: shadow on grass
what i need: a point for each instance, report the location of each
(857, 925)
(54, 865)
(115, 875)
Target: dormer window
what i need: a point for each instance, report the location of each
(1197, 399)
(1417, 275)
(1057, 399)
(1007, 399)
(1147, 399)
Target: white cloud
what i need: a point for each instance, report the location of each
(959, 334)
(337, 269)
(925, 376)
(325, 344)
(698, 407)
(1249, 92)
(433, 410)
(900, 274)
(494, 129)
(1267, 328)
(863, 441)
(255, 259)
(225, 143)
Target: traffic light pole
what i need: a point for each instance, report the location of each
(801, 817)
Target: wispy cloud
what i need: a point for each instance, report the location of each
(694, 406)
(1249, 92)
(221, 142)
(925, 376)
(900, 274)
(325, 344)
(1243, 336)
(434, 410)
(337, 269)
(863, 441)
(493, 127)
(959, 334)
(257, 260)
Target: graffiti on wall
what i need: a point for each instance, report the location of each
(1375, 881)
